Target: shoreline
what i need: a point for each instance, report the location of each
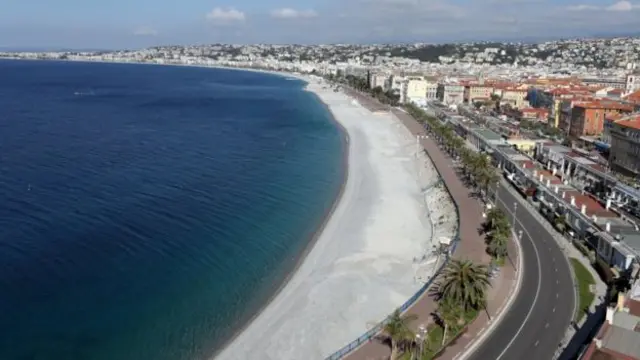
(344, 163)
(394, 284)
(353, 273)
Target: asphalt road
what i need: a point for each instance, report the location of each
(536, 323)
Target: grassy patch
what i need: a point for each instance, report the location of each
(585, 280)
(435, 333)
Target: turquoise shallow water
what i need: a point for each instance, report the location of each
(147, 212)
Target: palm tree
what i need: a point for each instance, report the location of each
(486, 176)
(464, 283)
(449, 314)
(497, 244)
(495, 220)
(397, 329)
(457, 144)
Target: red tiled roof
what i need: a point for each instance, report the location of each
(601, 104)
(630, 121)
(634, 96)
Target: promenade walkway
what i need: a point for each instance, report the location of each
(471, 247)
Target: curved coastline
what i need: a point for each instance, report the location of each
(362, 263)
(355, 325)
(344, 163)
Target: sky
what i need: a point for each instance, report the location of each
(119, 24)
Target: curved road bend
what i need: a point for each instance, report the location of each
(472, 247)
(536, 323)
(537, 320)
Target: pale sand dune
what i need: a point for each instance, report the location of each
(363, 263)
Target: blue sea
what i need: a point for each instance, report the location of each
(148, 212)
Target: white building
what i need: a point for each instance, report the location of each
(399, 86)
(432, 91)
(380, 79)
(416, 91)
(453, 94)
(632, 83)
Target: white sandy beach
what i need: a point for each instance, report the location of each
(368, 260)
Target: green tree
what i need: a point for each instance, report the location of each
(450, 315)
(495, 219)
(464, 283)
(397, 329)
(497, 242)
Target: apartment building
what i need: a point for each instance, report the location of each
(514, 97)
(608, 124)
(416, 90)
(479, 92)
(616, 83)
(399, 86)
(432, 90)
(624, 155)
(381, 80)
(633, 82)
(588, 118)
(451, 94)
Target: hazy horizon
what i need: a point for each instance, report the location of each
(72, 24)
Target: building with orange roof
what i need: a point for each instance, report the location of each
(624, 155)
(479, 92)
(633, 97)
(588, 118)
(563, 108)
(515, 97)
(618, 83)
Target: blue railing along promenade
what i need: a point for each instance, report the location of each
(407, 304)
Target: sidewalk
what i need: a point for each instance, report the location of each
(471, 247)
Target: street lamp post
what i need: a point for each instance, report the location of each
(497, 189)
(515, 208)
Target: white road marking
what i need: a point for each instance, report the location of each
(554, 309)
(535, 298)
(536, 344)
(546, 325)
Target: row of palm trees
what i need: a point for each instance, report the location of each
(478, 171)
(497, 232)
(462, 289)
(462, 285)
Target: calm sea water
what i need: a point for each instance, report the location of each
(147, 212)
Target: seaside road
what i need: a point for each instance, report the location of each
(536, 323)
(471, 246)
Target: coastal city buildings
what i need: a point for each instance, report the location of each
(559, 116)
(587, 118)
(625, 145)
